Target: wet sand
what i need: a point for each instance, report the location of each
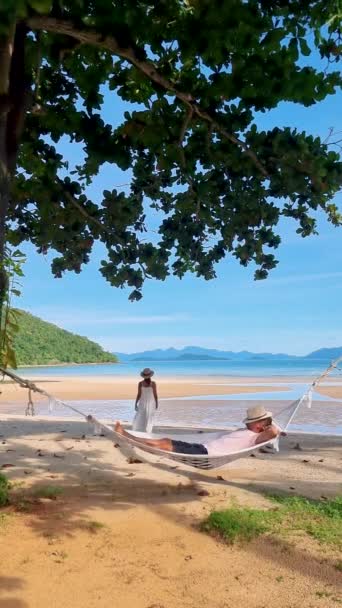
(79, 388)
(125, 387)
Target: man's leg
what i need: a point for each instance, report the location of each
(160, 444)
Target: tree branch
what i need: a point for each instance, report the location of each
(185, 125)
(19, 94)
(73, 201)
(332, 133)
(94, 38)
(331, 130)
(335, 143)
(38, 68)
(6, 50)
(208, 141)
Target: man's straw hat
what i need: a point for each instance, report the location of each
(256, 413)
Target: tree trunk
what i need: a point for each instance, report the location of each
(4, 204)
(14, 93)
(6, 51)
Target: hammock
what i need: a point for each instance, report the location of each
(202, 461)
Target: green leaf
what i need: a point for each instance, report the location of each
(10, 358)
(273, 38)
(304, 47)
(293, 49)
(41, 6)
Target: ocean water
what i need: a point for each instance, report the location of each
(293, 367)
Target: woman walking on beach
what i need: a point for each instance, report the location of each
(146, 403)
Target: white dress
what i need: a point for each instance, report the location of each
(143, 419)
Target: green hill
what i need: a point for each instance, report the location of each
(42, 343)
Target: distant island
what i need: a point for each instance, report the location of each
(185, 357)
(197, 353)
(41, 343)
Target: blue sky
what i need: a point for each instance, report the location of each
(297, 310)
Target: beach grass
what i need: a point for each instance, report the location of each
(4, 490)
(320, 519)
(4, 517)
(240, 523)
(94, 526)
(19, 500)
(51, 492)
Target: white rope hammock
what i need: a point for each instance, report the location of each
(202, 461)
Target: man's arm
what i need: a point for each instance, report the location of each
(268, 434)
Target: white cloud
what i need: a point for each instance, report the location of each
(77, 318)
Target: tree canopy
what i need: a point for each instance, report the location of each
(194, 75)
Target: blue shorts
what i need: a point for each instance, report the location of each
(183, 447)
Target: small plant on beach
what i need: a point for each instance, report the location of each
(320, 519)
(94, 526)
(17, 485)
(4, 490)
(239, 524)
(3, 519)
(328, 594)
(51, 492)
(323, 594)
(23, 505)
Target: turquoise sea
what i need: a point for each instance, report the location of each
(291, 367)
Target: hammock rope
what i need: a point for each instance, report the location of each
(197, 461)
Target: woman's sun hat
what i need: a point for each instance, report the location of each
(256, 413)
(147, 372)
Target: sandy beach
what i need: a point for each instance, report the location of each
(128, 534)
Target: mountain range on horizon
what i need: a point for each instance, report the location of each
(198, 353)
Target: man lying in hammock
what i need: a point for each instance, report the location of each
(259, 429)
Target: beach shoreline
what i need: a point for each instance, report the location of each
(125, 387)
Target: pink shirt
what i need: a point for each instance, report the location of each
(229, 443)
